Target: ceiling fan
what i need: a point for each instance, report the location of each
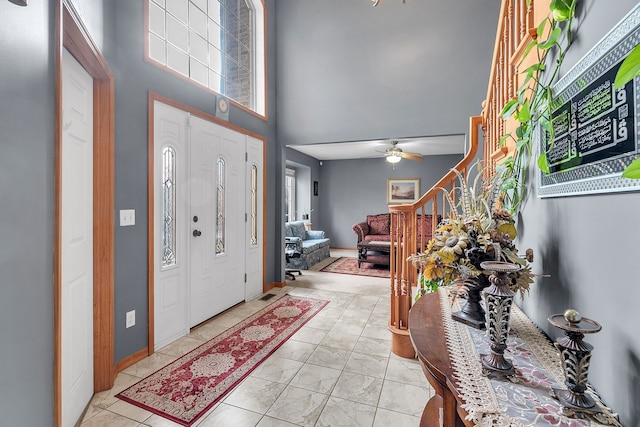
(395, 154)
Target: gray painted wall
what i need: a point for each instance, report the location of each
(353, 189)
(349, 71)
(589, 246)
(26, 217)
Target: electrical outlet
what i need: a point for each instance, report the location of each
(131, 318)
(127, 217)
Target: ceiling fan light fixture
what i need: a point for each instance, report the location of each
(394, 158)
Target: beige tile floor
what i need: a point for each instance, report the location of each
(337, 370)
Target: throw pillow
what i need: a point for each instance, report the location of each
(378, 224)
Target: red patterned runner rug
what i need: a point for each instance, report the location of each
(349, 265)
(187, 388)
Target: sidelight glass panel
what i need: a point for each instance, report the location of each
(254, 205)
(168, 207)
(220, 213)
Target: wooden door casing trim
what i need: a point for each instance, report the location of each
(71, 34)
(153, 96)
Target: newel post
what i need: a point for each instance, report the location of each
(403, 277)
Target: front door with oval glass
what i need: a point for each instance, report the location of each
(202, 243)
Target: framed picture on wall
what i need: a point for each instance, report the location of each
(403, 190)
(596, 126)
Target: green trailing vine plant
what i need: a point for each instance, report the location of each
(534, 100)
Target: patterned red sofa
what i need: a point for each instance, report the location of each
(378, 228)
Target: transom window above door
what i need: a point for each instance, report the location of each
(218, 44)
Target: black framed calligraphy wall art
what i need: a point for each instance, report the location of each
(596, 126)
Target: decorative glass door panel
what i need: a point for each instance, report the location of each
(217, 199)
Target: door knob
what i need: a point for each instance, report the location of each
(196, 233)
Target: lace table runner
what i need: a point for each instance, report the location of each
(496, 401)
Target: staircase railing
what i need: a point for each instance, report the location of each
(412, 225)
(516, 29)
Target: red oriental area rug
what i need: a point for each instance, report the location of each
(349, 265)
(187, 388)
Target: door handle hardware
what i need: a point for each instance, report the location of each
(197, 233)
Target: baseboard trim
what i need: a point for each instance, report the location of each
(276, 285)
(132, 359)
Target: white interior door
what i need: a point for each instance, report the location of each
(217, 212)
(254, 224)
(171, 224)
(77, 239)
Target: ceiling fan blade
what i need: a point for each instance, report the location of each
(412, 156)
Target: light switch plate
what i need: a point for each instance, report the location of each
(127, 217)
(131, 318)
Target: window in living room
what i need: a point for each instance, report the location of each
(290, 195)
(218, 44)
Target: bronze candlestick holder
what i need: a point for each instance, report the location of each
(576, 356)
(498, 299)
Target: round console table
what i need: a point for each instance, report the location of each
(428, 339)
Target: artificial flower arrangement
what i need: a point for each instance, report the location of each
(478, 230)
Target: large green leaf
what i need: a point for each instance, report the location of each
(522, 142)
(507, 163)
(543, 164)
(629, 68)
(508, 184)
(541, 27)
(503, 138)
(553, 38)
(534, 67)
(525, 82)
(546, 125)
(561, 10)
(524, 115)
(527, 49)
(633, 170)
(509, 108)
